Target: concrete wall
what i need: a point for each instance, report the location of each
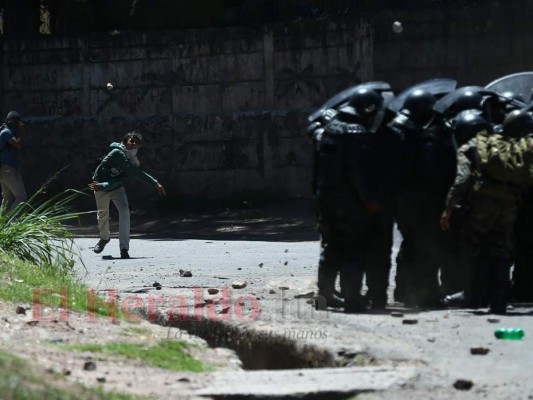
(222, 111)
(473, 41)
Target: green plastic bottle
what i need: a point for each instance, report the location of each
(509, 333)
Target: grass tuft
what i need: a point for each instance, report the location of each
(166, 354)
(34, 231)
(20, 381)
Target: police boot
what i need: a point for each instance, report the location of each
(499, 285)
(327, 296)
(352, 282)
(477, 287)
(377, 299)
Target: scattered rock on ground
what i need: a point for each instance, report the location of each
(479, 351)
(305, 295)
(238, 284)
(463, 384)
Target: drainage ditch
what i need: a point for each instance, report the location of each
(264, 350)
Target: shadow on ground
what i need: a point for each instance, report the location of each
(286, 221)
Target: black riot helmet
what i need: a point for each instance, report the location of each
(517, 124)
(366, 101)
(469, 100)
(418, 105)
(467, 124)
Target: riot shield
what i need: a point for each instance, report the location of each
(520, 83)
(437, 87)
(446, 102)
(340, 98)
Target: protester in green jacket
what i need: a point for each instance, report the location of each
(108, 185)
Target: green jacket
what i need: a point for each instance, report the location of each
(115, 167)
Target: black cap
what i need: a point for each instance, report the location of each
(13, 116)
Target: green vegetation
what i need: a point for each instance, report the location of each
(37, 255)
(167, 354)
(34, 231)
(22, 281)
(19, 381)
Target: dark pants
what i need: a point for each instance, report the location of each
(490, 245)
(425, 248)
(522, 282)
(354, 242)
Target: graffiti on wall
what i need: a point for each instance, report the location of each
(135, 100)
(59, 103)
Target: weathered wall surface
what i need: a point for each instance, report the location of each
(222, 111)
(473, 41)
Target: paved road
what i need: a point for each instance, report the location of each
(437, 345)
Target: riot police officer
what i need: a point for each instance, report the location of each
(349, 187)
(426, 169)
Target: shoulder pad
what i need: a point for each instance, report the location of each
(337, 127)
(329, 115)
(401, 122)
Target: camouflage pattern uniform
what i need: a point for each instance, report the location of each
(489, 229)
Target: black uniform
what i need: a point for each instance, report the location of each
(355, 237)
(426, 169)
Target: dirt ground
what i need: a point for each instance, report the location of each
(41, 344)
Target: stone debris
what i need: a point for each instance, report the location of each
(212, 291)
(410, 321)
(157, 285)
(185, 274)
(463, 384)
(21, 310)
(396, 314)
(305, 295)
(89, 366)
(479, 351)
(272, 291)
(260, 265)
(238, 284)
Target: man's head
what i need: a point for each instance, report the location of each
(14, 119)
(419, 106)
(517, 124)
(467, 124)
(132, 140)
(367, 106)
